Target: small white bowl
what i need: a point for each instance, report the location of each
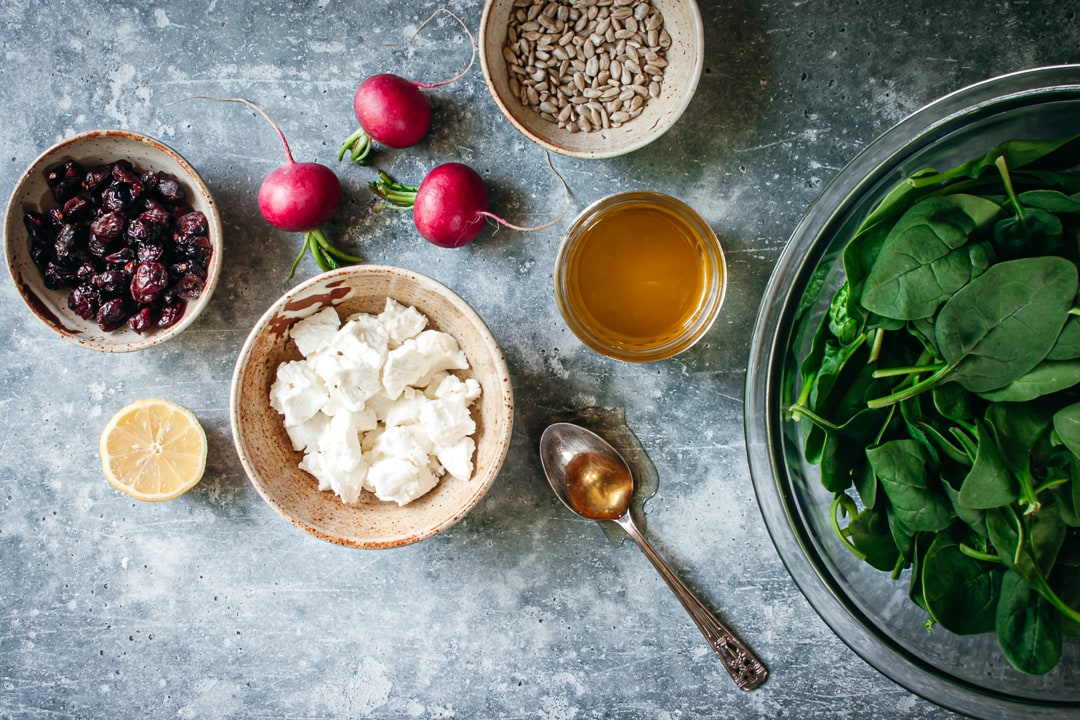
(685, 58)
(31, 193)
(268, 456)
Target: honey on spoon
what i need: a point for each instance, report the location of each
(591, 478)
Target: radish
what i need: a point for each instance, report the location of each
(300, 197)
(393, 111)
(451, 203)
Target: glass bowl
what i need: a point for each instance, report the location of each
(866, 608)
(639, 276)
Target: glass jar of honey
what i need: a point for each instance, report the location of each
(639, 276)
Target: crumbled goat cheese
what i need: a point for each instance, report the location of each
(374, 405)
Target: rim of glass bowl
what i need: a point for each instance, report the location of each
(881, 164)
(708, 307)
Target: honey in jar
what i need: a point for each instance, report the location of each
(640, 276)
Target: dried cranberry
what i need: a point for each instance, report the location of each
(144, 319)
(64, 180)
(117, 197)
(40, 228)
(138, 230)
(127, 242)
(54, 276)
(192, 223)
(112, 314)
(148, 252)
(120, 258)
(169, 188)
(157, 216)
(98, 246)
(108, 226)
(171, 314)
(111, 283)
(96, 178)
(190, 286)
(197, 249)
(123, 172)
(76, 209)
(150, 280)
(68, 240)
(84, 301)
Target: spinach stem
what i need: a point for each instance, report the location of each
(1049, 484)
(1003, 169)
(844, 504)
(907, 370)
(875, 348)
(910, 391)
(799, 411)
(979, 555)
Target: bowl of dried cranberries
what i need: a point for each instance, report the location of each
(113, 240)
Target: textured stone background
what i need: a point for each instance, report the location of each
(212, 605)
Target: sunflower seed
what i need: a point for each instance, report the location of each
(585, 65)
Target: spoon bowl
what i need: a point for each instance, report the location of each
(591, 478)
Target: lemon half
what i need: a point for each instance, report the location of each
(153, 450)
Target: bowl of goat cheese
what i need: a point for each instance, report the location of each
(371, 406)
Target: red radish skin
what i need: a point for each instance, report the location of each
(392, 110)
(451, 204)
(299, 197)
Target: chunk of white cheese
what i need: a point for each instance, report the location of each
(375, 404)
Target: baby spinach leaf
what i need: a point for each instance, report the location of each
(1067, 426)
(989, 483)
(961, 593)
(1017, 428)
(1043, 379)
(842, 324)
(1031, 554)
(953, 402)
(1004, 322)
(866, 485)
(1065, 580)
(1028, 628)
(1053, 201)
(926, 257)
(1035, 232)
(900, 466)
(974, 519)
(869, 533)
(1067, 345)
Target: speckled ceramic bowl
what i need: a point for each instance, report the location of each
(31, 193)
(268, 456)
(684, 57)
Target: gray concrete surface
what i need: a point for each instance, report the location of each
(212, 605)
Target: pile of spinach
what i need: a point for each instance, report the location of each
(941, 396)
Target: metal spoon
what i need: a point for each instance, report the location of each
(591, 478)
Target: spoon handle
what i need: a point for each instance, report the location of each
(745, 668)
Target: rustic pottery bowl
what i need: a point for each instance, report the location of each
(866, 608)
(684, 57)
(31, 193)
(268, 456)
